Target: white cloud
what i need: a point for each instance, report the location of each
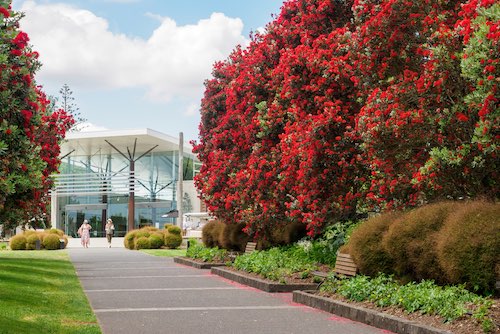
(192, 109)
(89, 127)
(173, 61)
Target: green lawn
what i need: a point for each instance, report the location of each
(40, 293)
(165, 252)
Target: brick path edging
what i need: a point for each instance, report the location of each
(198, 265)
(260, 283)
(364, 315)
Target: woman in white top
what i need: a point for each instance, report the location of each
(110, 228)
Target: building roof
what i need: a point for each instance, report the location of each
(89, 143)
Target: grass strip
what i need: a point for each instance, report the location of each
(165, 252)
(40, 293)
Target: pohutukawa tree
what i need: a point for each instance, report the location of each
(30, 132)
(341, 106)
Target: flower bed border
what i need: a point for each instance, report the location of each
(261, 284)
(198, 265)
(364, 315)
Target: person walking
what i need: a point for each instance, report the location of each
(84, 233)
(110, 229)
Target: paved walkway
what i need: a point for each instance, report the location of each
(132, 292)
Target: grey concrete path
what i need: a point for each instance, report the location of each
(132, 292)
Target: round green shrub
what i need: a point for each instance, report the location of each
(173, 241)
(174, 230)
(55, 231)
(225, 236)
(239, 238)
(31, 239)
(155, 241)
(411, 241)
(51, 241)
(142, 243)
(129, 239)
(469, 246)
(142, 233)
(365, 245)
(18, 242)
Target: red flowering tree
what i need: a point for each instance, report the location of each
(344, 105)
(420, 124)
(29, 130)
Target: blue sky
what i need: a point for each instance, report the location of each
(138, 63)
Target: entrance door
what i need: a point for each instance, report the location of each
(76, 214)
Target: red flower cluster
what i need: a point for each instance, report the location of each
(346, 106)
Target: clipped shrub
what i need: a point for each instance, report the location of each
(156, 241)
(142, 233)
(51, 241)
(239, 238)
(18, 242)
(65, 238)
(365, 245)
(211, 232)
(149, 229)
(173, 241)
(225, 236)
(469, 246)
(31, 239)
(129, 239)
(411, 241)
(142, 243)
(55, 231)
(174, 230)
(293, 232)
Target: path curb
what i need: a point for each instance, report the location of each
(364, 315)
(198, 265)
(261, 284)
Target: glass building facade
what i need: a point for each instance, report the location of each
(120, 174)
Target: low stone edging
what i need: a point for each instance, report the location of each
(261, 284)
(198, 265)
(364, 315)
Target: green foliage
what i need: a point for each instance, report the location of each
(156, 241)
(142, 242)
(51, 241)
(173, 241)
(174, 230)
(449, 302)
(469, 246)
(55, 231)
(199, 251)
(276, 263)
(18, 242)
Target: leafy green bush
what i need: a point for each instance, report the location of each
(18, 242)
(411, 241)
(51, 241)
(469, 246)
(276, 263)
(173, 241)
(198, 251)
(55, 231)
(142, 243)
(365, 245)
(156, 241)
(449, 302)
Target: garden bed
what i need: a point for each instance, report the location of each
(196, 263)
(392, 318)
(260, 283)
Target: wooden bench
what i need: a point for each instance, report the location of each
(249, 248)
(344, 266)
